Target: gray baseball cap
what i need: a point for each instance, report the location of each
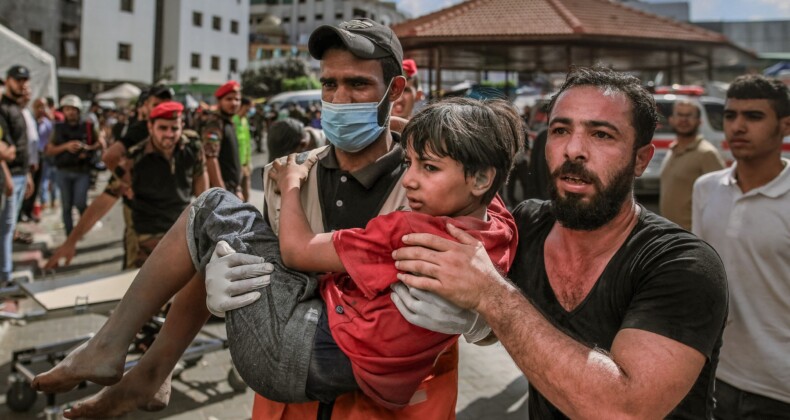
(18, 72)
(364, 38)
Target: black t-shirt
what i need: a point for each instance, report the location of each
(663, 280)
(350, 200)
(15, 134)
(162, 188)
(83, 131)
(229, 161)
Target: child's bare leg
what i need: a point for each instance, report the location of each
(101, 359)
(147, 385)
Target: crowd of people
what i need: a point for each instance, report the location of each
(608, 309)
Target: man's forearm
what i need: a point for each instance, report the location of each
(98, 209)
(580, 381)
(214, 173)
(302, 249)
(112, 156)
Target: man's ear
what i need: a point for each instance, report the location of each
(482, 181)
(419, 96)
(643, 156)
(396, 88)
(784, 125)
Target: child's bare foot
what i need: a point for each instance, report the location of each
(134, 392)
(88, 362)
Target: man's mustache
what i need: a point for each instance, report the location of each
(578, 170)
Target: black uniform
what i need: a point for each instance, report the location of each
(219, 140)
(15, 134)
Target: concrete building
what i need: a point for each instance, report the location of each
(678, 10)
(101, 43)
(96, 43)
(762, 37)
(299, 18)
(204, 41)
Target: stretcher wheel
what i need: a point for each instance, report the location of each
(235, 381)
(20, 396)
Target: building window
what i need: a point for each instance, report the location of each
(195, 61)
(124, 52)
(69, 46)
(319, 17)
(216, 23)
(302, 19)
(214, 62)
(359, 13)
(233, 65)
(234, 26)
(127, 6)
(339, 15)
(197, 19)
(286, 19)
(36, 37)
(301, 1)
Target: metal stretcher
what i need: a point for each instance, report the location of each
(73, 296)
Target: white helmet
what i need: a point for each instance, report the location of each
(71, 100)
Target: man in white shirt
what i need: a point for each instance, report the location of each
(744, 213)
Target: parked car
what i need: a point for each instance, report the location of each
(303, 98)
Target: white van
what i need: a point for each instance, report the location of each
(303, 98)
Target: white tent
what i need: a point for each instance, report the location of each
(17, 50)
(122, 92)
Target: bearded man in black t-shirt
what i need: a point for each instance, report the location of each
(612, 311)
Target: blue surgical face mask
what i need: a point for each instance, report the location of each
(353, 127)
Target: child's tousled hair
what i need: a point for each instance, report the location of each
(478, 134)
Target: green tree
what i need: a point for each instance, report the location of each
(273, 79)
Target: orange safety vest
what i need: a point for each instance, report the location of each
(435, 399)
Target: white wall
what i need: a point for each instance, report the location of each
(299, 32)
(181, 39)
(104, 26)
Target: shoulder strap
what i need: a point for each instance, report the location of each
(89, 132)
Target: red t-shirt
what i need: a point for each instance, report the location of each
(390, 356)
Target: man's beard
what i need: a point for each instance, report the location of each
(572, 213)
(688, 133)
(13, 93)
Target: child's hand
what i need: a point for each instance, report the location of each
(290, 174)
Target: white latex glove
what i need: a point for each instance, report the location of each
(432, 312)
(232, 278)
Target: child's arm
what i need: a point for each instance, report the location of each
(301, 249)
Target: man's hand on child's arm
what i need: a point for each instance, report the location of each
(232, 278)
(432, 312)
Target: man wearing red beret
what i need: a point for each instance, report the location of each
(403, 107)
(220, 144)
(159, 176)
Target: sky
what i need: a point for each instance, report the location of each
(701, 10)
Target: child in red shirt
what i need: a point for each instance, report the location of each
(458, 154)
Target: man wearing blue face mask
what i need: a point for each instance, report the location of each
(356, 178)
